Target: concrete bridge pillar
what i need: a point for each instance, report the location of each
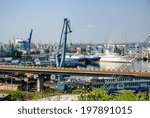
(39, 84)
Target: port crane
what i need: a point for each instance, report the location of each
(62, 46)
(27, 43)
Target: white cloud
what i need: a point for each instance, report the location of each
(90, 26)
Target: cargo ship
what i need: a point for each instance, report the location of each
(81, 59)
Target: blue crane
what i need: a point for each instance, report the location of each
(62, 46)
(27, 43)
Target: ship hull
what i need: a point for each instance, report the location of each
(84, 60)
(94, 59)
(114, 59)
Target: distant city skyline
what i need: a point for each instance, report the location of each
(92, 21)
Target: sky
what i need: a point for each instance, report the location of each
(92, 21)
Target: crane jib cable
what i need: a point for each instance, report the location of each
(125, 66)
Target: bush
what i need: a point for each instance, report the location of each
(127, 95)
(142, 97)
(78, 91)
(102, 95)
(95, 95)
(16, 95)
(37, 96)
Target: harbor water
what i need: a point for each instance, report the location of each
(138, 65)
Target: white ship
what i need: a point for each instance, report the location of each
(113, 57)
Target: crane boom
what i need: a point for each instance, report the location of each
(27, 42)
(62, 46)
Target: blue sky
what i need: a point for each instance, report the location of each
(92, 21)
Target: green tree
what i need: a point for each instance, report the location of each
(95, 95)
(16, 95)
(102, 95)
(127, 95)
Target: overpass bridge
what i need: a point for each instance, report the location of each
(38, 71)
(72, 71)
